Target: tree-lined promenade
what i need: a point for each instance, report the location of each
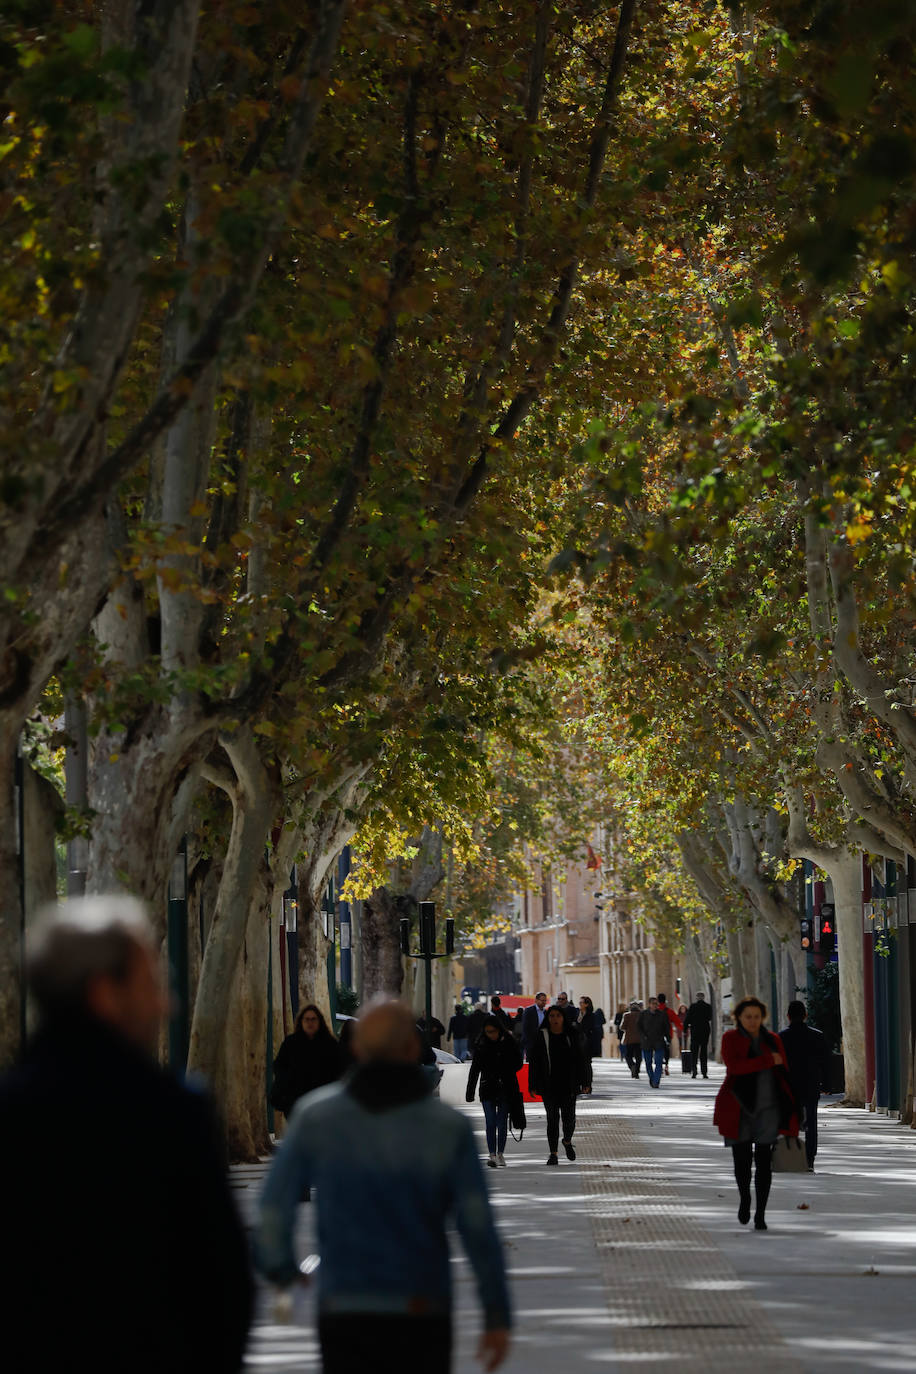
(435, 428)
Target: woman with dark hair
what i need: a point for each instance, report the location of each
(589, 1027)
(307, 1059)
(754, 1105)
(496, 1062)
(559, 1069)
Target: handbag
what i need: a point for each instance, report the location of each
(517, 1118)
(789, 1156)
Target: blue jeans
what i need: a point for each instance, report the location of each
(496, 1117)
(655, 1073)
(460, 1046)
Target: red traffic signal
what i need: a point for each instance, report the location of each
(828, 936)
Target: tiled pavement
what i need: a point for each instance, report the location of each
(632, 1258)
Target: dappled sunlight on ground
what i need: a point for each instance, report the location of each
(826, 1290)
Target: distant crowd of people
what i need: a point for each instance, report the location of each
(651, 1034)
(466, 1025)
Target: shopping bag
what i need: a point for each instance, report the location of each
(789, 1156)
(686, 1061)
(527, 1094)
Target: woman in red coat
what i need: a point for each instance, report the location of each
(754, 1105)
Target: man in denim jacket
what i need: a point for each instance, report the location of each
(391, 1165)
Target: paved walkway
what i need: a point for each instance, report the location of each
(632, 1258)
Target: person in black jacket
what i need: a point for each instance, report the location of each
(698, 1024)
(307, 1059)
(560, 1070)
(532, 1019)
(126, 1251)
(808, 1063)
(458, 1032)
(496, 1062)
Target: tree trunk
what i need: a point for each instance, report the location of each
(383, 973)
(742, 959)
(133, 786)
(228, 1029)
(11, 914)
(382, 968)
(846, 876)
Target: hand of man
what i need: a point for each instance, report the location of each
(493, 1348)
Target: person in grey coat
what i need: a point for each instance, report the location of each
(655, 1031)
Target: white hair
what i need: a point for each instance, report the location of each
(80, 939)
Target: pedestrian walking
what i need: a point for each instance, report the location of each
(655, 1033)
(590, 1027)
(392, 1167)
(560, 1070)
(496, 1062)
(476, 1022)
(496, 1009)
(307, 1059)
(754, 1105)
(631, 1038)
(675, 1027)
(458, 1033)
(808, 1065)
(124, 1250)
(431, 1032)
(570, 1012)
(532, 1021)
(698, 1022)
(619, 1014)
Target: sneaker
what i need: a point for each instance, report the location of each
(501, 1160)
(552, 1159)
(491, 1161)
(570, 1149)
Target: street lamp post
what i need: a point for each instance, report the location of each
(427, 950)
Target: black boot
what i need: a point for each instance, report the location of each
(741, 1155)
(763, 1178)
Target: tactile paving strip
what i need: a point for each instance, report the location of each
(674, 1300)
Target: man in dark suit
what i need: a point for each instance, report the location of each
(808, 1064)
(533, 1020)
(698, 1022)
(570, 1013)
(807, 1060)
(107, 1159)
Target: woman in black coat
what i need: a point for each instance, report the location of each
(307, 1059)
(496, 1062)
(559, 1069)
(590, 1027)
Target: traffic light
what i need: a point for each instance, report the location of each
(806, 935)
(828, 928)
(450, 935)
(404, 923)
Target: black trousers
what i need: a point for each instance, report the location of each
(763, 1172)
(700, 1056)
(557, 1107)
(634, 1058)
(354, 1342)
(810, 1104)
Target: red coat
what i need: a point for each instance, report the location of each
(735, 1049)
